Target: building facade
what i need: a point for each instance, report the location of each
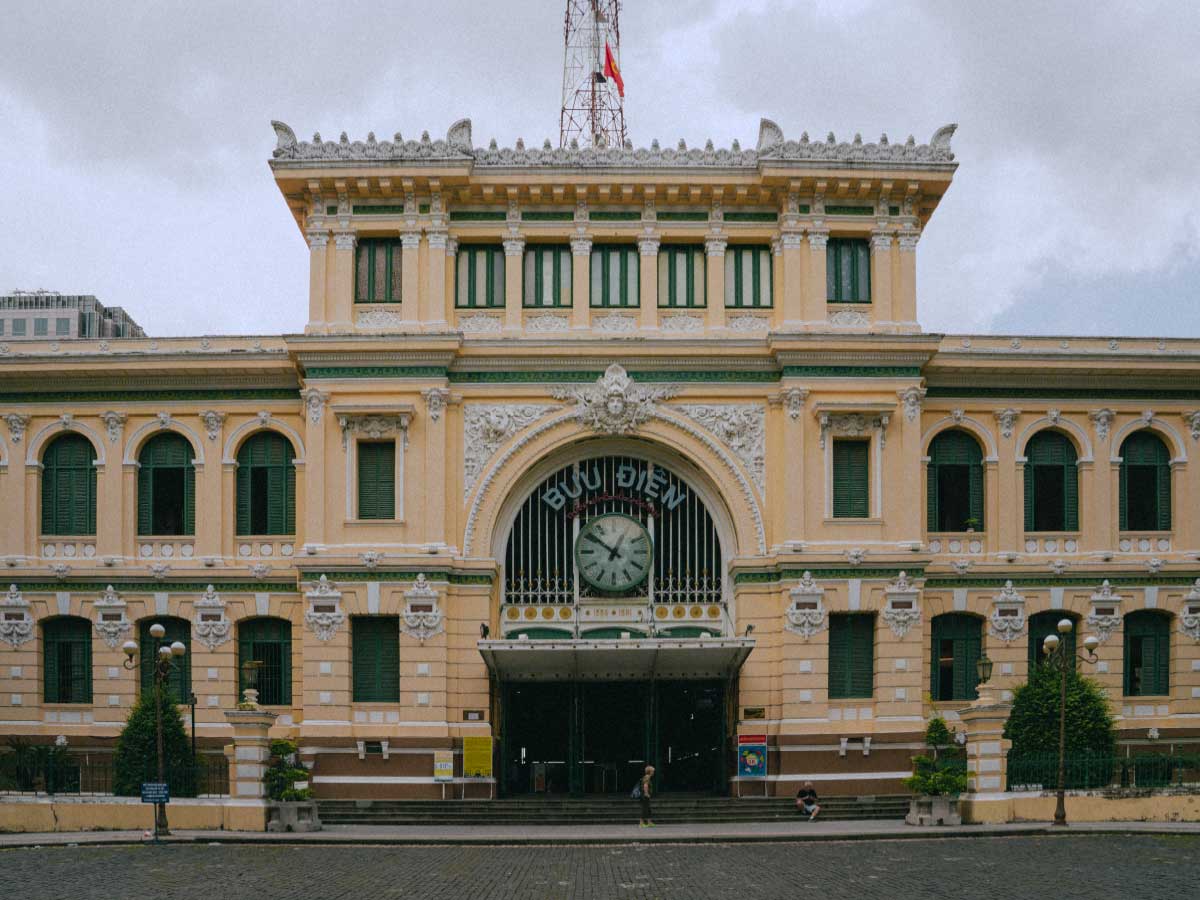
(611, 456)
(49, 315)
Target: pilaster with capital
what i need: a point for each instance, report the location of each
(318, 275)
(514, 270)
(339, 305)
(790, 290)
(316, 431)
(714, 250)
(648, 257)
(815, 298)
(904, 296)
(435, 300)
(881, 277)
(436, 497)
(410, 275)
(581, 257)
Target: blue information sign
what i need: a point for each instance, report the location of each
(152, 792)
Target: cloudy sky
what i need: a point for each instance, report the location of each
(134, 136)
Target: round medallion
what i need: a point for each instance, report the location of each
(613, 552)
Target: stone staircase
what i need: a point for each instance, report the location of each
(598, 810)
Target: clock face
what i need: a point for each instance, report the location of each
(613, 552)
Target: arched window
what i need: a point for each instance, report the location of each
(69, 486)
(267, 641)
(954, 495)
(1145, 483)
(66, 660)
(179, 681)
(957, 641)
(166, 486)
(1051, 483)
(266, 485)
(1147, 653)
(1044, 623)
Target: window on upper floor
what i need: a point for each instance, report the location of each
(851, 655)
(954, 485)
(375, 658)
(66, 660)
(179, 679)
(266, 485)
(268, 642)
(615, 271)
(1046, 623)
(1145, 483)
(41, 327)
(851, 478)
(166, 500)
(1051, 483)
(3, 322)
(376, 479)
(747, 276)
(848, 270)
(377, 271)
(546, 280)
(681, 276)
(62, 327)
(479, 276)
(957, 642)
(1147, 653)
(18, 327)
(69, 486)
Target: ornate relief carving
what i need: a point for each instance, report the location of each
(211, 627)
(851, 425)
(373, 427)
(849, 318)
(1105, 617)
(742, 427)
(314, 402)
(324, 615)
(614, 404)
(746, 324)
(111, 623)
(793, 401)
(379, 318)
(423, 617)
(213, 421)
(1193, 422)
(370, 559)
(547, 322)
(1007, 622)
(806, 613)
(855, 556)
(1007, 420)
(1102, 420)
(681, 322)
(260, 571)
(17, 424)
(901, 611)
(479, 323)
(910, 400)
(486, 427)
(435, 401)
(114, 424)
(1189, 622)
(615, 324)
(16, 624)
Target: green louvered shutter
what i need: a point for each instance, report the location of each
(269, 641)
(376, 659)
(1164, 497)
(975, 476)
(81, 665)
(839, 657)
(67, 660)
(966, 637)
(1145, 450)
(243, 498)
(189, 499)
(1070, 496)
(932, 519)
(377, 480)
(851, 490)
(1123, 495)
(1029, 495)
(50, 668)
(277, 495)
(69, 487)
(268, 455)
(289, 502)
(145, 500)
(862, 655)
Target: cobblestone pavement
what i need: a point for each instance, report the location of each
(1126, 866)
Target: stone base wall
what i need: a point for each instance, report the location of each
(1082, 807)
(46, 814)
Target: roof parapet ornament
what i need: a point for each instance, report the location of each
(941, 138)
(770, 135)
(285, 138)
(459, 136)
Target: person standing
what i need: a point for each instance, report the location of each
(806, 801)
(643, 794)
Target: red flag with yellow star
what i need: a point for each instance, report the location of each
(611, 70)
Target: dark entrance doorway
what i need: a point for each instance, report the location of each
(596, 737)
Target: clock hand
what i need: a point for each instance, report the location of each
(612, 551)
(595, 540)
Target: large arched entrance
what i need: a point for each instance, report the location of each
(616, 646)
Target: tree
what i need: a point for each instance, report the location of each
(136, 759)
(1033, 724)
(944, 773)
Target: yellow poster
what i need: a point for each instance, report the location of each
(477, 757)
(443, 765)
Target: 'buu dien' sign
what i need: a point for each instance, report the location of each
(650, 482)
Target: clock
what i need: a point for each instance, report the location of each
(613, 552)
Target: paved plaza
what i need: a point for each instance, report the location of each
(1128, 866)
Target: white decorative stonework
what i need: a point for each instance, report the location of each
(17, 424)
(422, 615)
(1007, 622)
(260, 570)
(748, 324)
(614, 404)
(114, 424)
(849, 318)
(1105, 617)
(851, 425)
(681, 322)
(547, 323)
(1154, 565)
(1058, 567)
(486, 427)
(16, 624)
(111, 623)
(324, 615)
(61, 570)
(901, 610)
(1189, 618)
(1102, 420)
(379, 318)
(314, 402)
(855, 556)
(910, 400)
(615, 324)
(370, 559)
(1007, 420)
(793, 401)
(742, 427)
(160, 570)
(435, 401)
(211, 627)
(373, 427)
(478, 323)
(806, 613)
(213, 421)
(1193, 422)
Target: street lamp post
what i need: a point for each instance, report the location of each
(164, 662)
(1059, 658)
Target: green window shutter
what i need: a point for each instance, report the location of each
(851, 487)
(276, 499)
(289, 500)
(189, 499)
(851, 655)
(1123, 495)
(1070, 497)
(1146, 450)
(377, 480)
(975, 476)
(267, 640)
(67, 660)
(966, 636)
(145, 500)
(1030, 498)
(243, 497)
(1164, 496)
(839, 657)
(931, 497)
(831, 270)
(375, 643)
(848, 270)
(266, 455)
(69, 486)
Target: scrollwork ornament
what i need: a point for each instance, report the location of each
(436, 399)
(806, 615)
(314, 402)
(111, 623)
(16, 624)
(486, 427)
(1007, 621)
(211, 632)
(614, 404)
(1102, 420)
(17, 423)
(741, 427)
(423, 617)
(1189, 622)
(325, 621)
(1007, 420)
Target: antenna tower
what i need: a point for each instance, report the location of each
(593, 109)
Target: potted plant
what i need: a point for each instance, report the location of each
(937, 780)
(972, 525)
(292, 807)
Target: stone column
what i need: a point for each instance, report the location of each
(434, 306)
(904, 300)
(33, 501)
(339, 306)
(436, 501)
(714, 288)
(793, 452)
(791, 291)
(318, 250)
(581, 282)
(1004, 509)
(881, 277)
(410, 276)
(987, 750)
(312, 528)
(249, 752)
(115, 541)
(815, 289)
(648, 277)
(514, 272)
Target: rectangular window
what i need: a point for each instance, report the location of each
(62, 327)
(41, 327)
(1147, 661)
(67, 662)
(479, 276)
(377, 271)
(681, 276)
(851, 655)
(377, 480)
(851, 491)
(848, 270)
(375, 650)
(2, 321)
(547, 276)
(18, 328)
(615, 272)
(747, 277)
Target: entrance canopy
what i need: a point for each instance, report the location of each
(615, 660)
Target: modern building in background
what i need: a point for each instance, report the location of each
(30, 315)
(610, 455)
